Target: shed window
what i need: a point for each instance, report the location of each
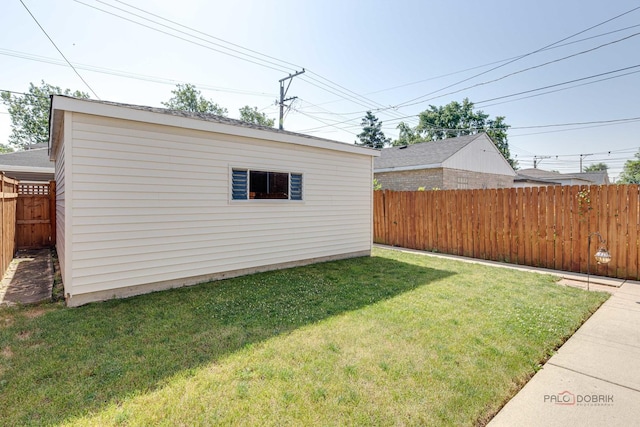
(257, 184)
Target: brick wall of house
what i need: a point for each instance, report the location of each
(410, 180)
(443, 179)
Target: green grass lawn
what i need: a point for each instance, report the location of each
(395, 339)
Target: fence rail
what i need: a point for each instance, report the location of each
(8, 199)
(540, 226)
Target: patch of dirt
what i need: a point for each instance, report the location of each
(7, 353)
(23, 335)
(6, 321)
(35, 312)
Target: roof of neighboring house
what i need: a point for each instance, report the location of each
(541, 175)
(63, 102)
(32, 164)
(35, 156)
(598, 178)
(423, 153)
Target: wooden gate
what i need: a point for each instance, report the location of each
(35, 216)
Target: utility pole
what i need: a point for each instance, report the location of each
(283, 93)
(538, 159)
(582, 156)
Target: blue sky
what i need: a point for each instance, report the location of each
(359, 55)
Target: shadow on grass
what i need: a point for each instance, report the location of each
(70, 362)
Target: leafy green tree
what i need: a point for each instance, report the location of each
(407, 135)
(30, 113)
(187, 98)
(596, 167)
(252, 115)
(631, 171)
(372, 135)
(453, 120)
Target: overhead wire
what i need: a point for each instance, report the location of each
(544, 64)
(281, 70)
(120, 73)
(520, 57)
(337, 89)
(495, 62)
(557, 90)
(59, 51)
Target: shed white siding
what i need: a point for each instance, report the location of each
(61, 190)
(151, 204)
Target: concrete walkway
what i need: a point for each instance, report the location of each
(28, 279)
(594, 378)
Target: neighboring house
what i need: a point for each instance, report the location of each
(150, 199)
(30, 165)
(465, 162)
(538, 177)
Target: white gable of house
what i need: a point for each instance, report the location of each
(481, 155)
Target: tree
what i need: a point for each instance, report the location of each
(252, 115)
(372, 135)
(597, 167)
(453, 120)
(631, 171)
(187, 98)
(30, 113)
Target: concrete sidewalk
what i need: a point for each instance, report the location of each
(594, 378)
(28, 279)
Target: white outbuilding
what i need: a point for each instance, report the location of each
(150, 199)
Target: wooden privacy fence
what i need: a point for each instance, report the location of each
(9, 197)
(540, 226)
(35, 216)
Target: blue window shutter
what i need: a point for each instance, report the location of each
(296, 186)
(239, 184)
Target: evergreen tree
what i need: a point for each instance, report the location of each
(372, 135)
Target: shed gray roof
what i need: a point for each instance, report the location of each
(35, 157)
(207, 117)
(423, 153)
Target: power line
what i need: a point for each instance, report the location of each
(520, 57)
(264, 62)
(59, 51)
(559, 90)
(281, 70)
(120, 73)
(321, 121)
(495, 62)
(208, 35)
(508, 75)
(521, 71)
(243, 48)
(560, 84)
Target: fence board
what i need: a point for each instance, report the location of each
(547, 226)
